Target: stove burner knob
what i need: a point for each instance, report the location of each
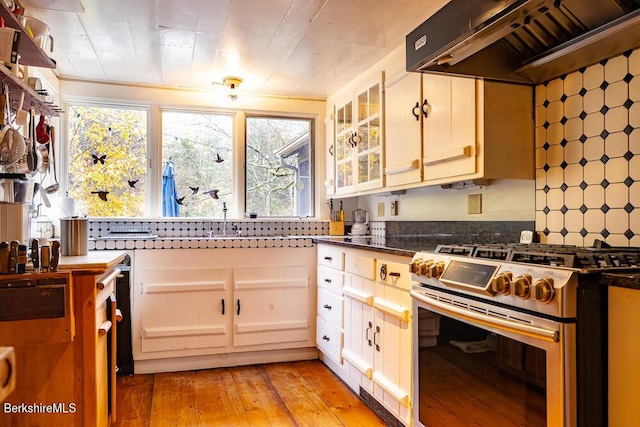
(415, 265)
(435, 270)
(522, 286)
(543, 290)
(502, 282)
(424, 268)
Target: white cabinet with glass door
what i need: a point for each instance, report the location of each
(358, 140)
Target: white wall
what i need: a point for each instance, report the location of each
(503, 200)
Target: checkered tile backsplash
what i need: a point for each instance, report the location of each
(588, 154)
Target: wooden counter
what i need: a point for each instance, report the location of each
(76, 377)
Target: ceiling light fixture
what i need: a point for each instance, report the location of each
(232, 83)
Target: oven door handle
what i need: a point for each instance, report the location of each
(483, 319)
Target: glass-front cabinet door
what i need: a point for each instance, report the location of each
(344, 155)
(358, 154)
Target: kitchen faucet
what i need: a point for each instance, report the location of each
(224, 218)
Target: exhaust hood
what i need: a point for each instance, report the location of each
(522, 41)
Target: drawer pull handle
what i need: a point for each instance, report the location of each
(326, 338)
(223, 306)
(104, 328)
(118, 315)
(111, 276)
(327, 280)
(328, 258)
(366, 334)
(377, 332)
(327, 306)
(394, 274)
(238, 311)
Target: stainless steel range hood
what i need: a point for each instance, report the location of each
(522, 41)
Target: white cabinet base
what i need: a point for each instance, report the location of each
(176, 364)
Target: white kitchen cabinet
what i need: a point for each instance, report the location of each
(330, 301)
(467, 129)
(358, 139)
(403, 118)
(270, 306)
(190, 305)
(377, 328)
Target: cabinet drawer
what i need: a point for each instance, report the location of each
(394, 273)
(331, 279)
(362, 266)
(330, 307)
(330, 257)
(329, 339)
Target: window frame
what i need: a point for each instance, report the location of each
(312, 156)
(154, 110)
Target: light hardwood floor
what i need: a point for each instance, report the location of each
(281, 394)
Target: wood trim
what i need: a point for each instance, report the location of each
(182, 331)
(358, 295)
(400, 395)
(270, 284)
(156, 288)
(402, 167)
(448, 155)
(273, 326)
(394, 310)
(357, 362)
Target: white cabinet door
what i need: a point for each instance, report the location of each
(358, 328)
(449, 129)
(403, 127)
(393, 350)
(185, 311)
(271, 306)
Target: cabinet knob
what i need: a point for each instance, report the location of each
(327, 306)
(425, 108)
(326, 338)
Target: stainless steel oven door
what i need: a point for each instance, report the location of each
(478, 364)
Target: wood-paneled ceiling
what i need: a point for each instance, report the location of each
(297, 48)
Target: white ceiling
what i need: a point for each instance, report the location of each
(300, 48)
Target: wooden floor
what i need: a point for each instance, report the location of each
(282, 394)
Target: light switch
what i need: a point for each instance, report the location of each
(394, 208)
(381, 209)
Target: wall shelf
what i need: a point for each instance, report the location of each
(30, 52)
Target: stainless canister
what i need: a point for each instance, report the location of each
(74, 235)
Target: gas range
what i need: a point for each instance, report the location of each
(539, 279)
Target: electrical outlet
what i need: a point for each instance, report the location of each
(381, 209)
(394, 208)
(474, 202)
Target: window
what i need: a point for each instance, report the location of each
(197, 149)
(108, 160)
(279, 166)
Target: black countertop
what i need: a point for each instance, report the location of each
(623, 280)
(377, 244)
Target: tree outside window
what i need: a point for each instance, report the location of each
(108, 160)
(279, 166)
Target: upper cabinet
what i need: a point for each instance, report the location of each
(357, 144)
(443, 129)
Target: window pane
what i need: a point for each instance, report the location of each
(279, 176)
(107, 160)
(198, 146)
